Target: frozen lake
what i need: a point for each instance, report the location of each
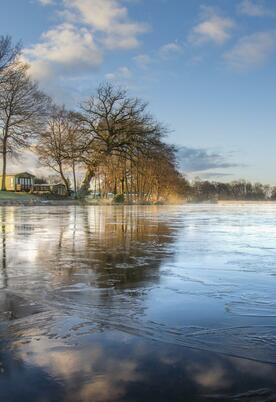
(138, 303)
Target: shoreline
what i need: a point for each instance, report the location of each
(72, 202)
(246, 202)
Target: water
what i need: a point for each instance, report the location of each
(138, 303)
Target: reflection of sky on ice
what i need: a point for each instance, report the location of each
(100, 301)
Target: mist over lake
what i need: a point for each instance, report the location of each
(135, 303)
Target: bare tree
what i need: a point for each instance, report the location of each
(115, 124)
(23, 108)
(59, 146)
(52, 142)
(8, 52)
(73, 145)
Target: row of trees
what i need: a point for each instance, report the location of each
(235, 190)
(116, 142)
(110, 137)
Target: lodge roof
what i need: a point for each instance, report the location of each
(22, 174)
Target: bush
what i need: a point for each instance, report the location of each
(119, 199)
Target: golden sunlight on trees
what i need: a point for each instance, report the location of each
(115, 125)
(116, 142)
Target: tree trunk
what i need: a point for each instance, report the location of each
(65, 181)
(115, 186)
(131, 182)
(4, 168)
(74, 178)
(127, 188)
(90, 173)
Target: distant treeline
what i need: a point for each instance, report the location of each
(235, 190)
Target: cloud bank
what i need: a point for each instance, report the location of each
(199, 160)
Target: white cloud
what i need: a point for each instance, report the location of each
(254, 9)
(46, 2)
(63, 48)
(98, 13)
(170, 49)
(87, 30)
(211, 28)
(251, 51)
(114, 41)
(143, 60)
(41, 70)
(109, 17)
(123, 73)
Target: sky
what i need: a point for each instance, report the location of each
(207, 69)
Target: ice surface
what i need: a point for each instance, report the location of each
(201, 276)
(156, 272)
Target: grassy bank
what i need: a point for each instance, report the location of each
(10, 198)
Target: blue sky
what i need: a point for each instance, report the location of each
(207, 69)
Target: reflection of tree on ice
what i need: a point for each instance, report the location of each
(4, 255)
